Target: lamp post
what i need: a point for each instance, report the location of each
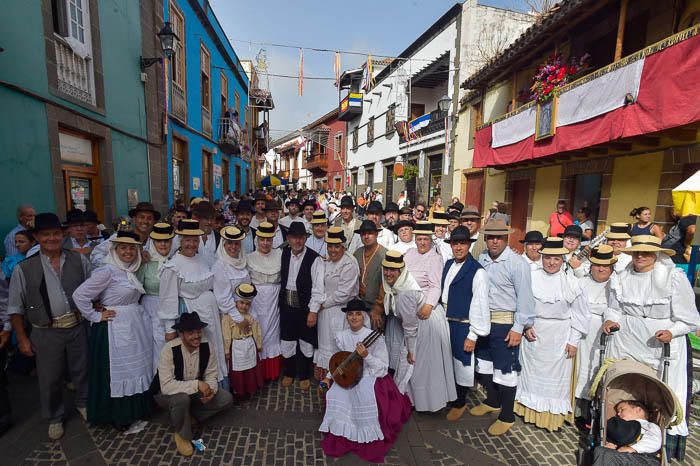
(168, 39)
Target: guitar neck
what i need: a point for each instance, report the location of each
(367, 342)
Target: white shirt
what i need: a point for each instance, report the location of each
(255, 223)
(474, 237)
(651, 438)
(386, 238)
(479, 313)
(318, 245)
(295, 261)
(278, 239)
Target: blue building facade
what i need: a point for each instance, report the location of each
(207, 107)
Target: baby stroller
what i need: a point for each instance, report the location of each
(627, 379)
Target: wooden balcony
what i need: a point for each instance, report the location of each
(317, 162)
(179, 103)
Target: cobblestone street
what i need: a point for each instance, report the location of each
(279, 427)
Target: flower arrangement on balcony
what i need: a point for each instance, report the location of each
(555, 73)
(410, 171)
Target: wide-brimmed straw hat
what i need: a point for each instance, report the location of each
(265, 230)
(603, 255)
(246, 291)
(440, 218)
(619, 230)
(496, 227)
(319, 217)
(162, 231)
(127, 237)
(553, 246)
(188, 227)
(424, 228)
(647, 243)
(335, 235)
(232, 233)
(393, 260)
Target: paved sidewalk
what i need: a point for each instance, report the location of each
(279, 427)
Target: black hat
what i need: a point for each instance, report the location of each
(297, 229)
(244, 206)
(293, 200)
(461, 233)
(90, 216)
(310, 203)
(440, 218)
(453, 215)
(74, 216)
(572, 230)
(367, 226)
(406, 210)
(346, 201)
(621, 432)
(188, 322)
(457, 206)
(391, 207)
(355, 304)
(145, 207)
(46, 221)
(533, 236)
(403, 223)
(273, 205)
(375, 207)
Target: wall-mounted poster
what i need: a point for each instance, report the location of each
(132, 198)
(195, 183)
(546, 122)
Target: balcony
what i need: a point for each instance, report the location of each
(350, 106)
(179, 103)
(74, 73)
(317, 163)
(422, 126)
(206, 121)
(229, 136)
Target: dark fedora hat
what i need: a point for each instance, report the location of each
(375, 207)
(533, 236)
(46, 221)
(145, 207)
(244, 205)
(293, 200)
(355, 304)
(403, 223)
(297, 229)
(406, 210)
(90, 217)
(346, 201)
(572, 230)
(460, 233)
(391, 207)
(74, 216)
(310, 203)
(367, 226)
(273, 205)
(188, 322)
(621, 432)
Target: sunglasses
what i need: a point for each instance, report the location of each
(420, 211)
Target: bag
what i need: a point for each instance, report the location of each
(673, 238)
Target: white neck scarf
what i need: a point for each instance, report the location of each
(114, 260)
(239, 262)
(404, 283)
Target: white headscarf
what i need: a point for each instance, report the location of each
(114, 260)
(239, 262)
(158, 257)
(404, 283)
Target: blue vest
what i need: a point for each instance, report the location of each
(459, 298)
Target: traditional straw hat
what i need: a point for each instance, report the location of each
(232, 233)
(619, 230)
(319, 217)
(127, 237)
(647, 243)
(265, 230)
(496, 227)
(553, 246)
(393, 260)
(424, 228)
(440, 218)
(188, 227)
(246, 291)
(162, 231)
(603, 255)
(335, 235)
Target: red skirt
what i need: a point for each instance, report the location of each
(246, 382)
(271, 367)
(394, 410)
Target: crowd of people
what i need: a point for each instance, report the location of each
(204, 307)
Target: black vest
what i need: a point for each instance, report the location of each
(303, 277)
(179, 362)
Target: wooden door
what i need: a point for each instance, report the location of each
(207, 175)
(225, 177)
(520, 197)
(474, 194)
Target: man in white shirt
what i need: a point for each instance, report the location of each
(293, 209)
(533, 243)
(272, 212)
(385, 237)
(317, 240)
(260, 201)
(25, 219)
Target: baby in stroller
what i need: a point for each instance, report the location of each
(631, 439)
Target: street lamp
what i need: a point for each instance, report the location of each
(444, 103)
(167, 45)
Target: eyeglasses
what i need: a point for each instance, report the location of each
(420, 211)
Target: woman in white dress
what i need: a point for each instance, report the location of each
(230, 270)
(264, 266)
(186, 285)
(121, 365)
(423, 358)
(404, 230)
(652, 303)
(544, 395)
(149, 274)
(341, 284)
(595, 288)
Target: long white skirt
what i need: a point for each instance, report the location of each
(353, 413)
(330, 321)
(151, 303)
(130, 351)
(588, 357)
(635, 340)
(205, 305)
(545, 379)
(265, 310)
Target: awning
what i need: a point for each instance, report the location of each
(686, 196)
(662, 82)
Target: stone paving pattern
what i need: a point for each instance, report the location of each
(279, 427)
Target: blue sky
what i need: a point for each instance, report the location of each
(377, 26)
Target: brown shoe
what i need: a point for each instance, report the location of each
(184, 447)
(456, 413)
(287, 381)
(482, 410)
(304, 384)
(499, 427)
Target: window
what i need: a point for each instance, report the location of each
(338, 146)
(180, 175)
(207, 175)
(237, 105)
(225, 175)
(177, 61)
(390, 119)
(370, 131)
(205, 81)
(224, 93)
(71, 20)
(354, 139)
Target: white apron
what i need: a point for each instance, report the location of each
(588, 357)
(151, 303)
(330, 322)
(130, 351)
(243, 354)
(265, 309)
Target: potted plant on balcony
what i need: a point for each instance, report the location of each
(408, 171)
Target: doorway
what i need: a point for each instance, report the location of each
(520, 197)
(435, 180)
(586, 193)
(474, 194)
(389, 192)
(180, 172)
(81, 178)
(238, 186)
(225, 176)
(207, 174)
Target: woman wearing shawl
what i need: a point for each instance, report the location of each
(264, 266)
(186, 286)
(652, 303)
(121, 364)
(230, 270)
(149, 274)
(544, 391)
(418, 348)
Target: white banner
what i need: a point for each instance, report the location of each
(361, 176)
(514, 129)
(601, 95)
(378, 172)
(421, 164)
